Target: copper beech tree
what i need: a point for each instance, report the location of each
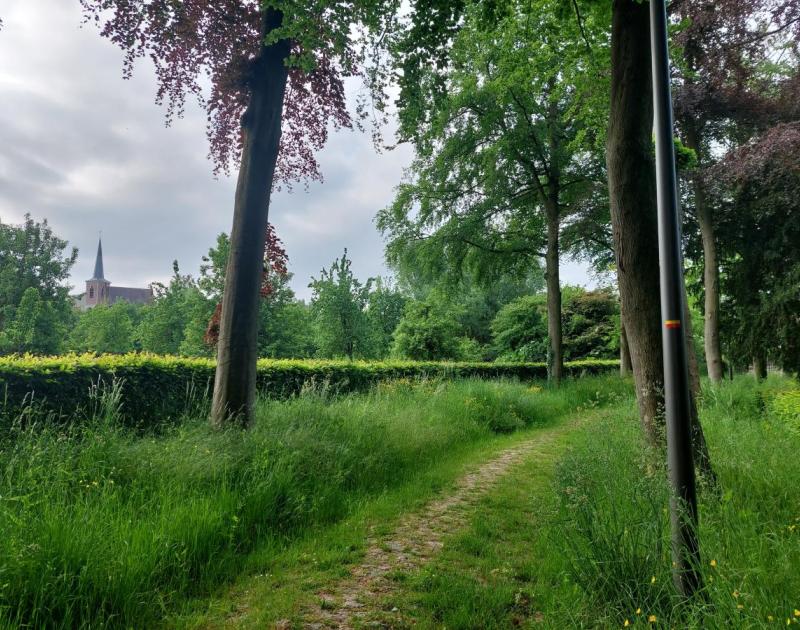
(276, 71)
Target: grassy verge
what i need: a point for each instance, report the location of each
(103, 527)
(582, 540)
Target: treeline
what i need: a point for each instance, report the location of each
(346, 317)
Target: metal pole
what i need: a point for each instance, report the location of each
(683, 504)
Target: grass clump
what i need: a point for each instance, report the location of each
(106, 527)
(614, 525)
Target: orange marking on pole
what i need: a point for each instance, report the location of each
(672, 323)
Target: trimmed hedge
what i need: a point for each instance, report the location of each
(156, 389)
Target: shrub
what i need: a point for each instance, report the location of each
(157, 389)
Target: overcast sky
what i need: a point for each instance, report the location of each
(89, 151)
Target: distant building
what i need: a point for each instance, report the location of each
(100, 291)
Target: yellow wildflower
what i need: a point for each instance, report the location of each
(653, 580)
(652, 619)
(626, 624)
(796, 612)
(735, 593)
(638, 611)
(713, 563)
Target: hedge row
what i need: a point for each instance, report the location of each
(154, 388)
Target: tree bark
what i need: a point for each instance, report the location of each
(625, 367)
(632, 192)
(705, 220)
(555, 356)
(760, 367)
(237, 353)
(702, 458)
(555, 359)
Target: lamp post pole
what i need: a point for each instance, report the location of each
(683, 502)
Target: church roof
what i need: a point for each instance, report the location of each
(98, 263)
(129, 294)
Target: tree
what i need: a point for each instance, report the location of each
(339, 301)
(519, 331)
(276, 72)
(732, 74)
(385, 306)
(758, 226)
(428, 331)
(285, 327)
(36, 327)
(163, 323)
(500, 155)
(591, 324)
(631, 182)
(274, 278)
(106, 329)
(34, 267)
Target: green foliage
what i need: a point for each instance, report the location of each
(591, 324)
(428, 331)
(385, 307)
(519, 331)
(35, 307)
(156, 389)
(163, 324)
(35, 327)
(590, 321)
(498, 127)
(339, 302)
(105, 329)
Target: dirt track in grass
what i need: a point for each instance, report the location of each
(358, 600)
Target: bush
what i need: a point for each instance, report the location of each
(156, 389)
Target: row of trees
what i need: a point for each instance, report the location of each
(532, 126)
(345, 317)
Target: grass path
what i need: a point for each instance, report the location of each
(360, 598)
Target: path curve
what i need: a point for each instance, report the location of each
(354, 601)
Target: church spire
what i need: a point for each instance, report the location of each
(98, 263)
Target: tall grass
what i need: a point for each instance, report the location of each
(104, 527)
(613, 526)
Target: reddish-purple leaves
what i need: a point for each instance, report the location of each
(203, 49)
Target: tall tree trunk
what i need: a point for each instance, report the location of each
(713, 350)
(632, 192)
(631, 182)
(555, 356)
(624, 352)
(552, 203)
(237, 353)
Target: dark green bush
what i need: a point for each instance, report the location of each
(156, 389)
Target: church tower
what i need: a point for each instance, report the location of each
(97, 289)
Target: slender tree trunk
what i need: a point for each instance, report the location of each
(702, 458)
(713, 349)
(632, 191)
(237, 353)
(760, 367)
(555, 356)
(555, 364)
(625, 367)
